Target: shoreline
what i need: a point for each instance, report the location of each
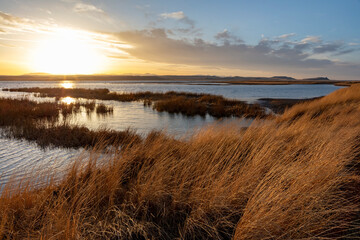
(192, 80)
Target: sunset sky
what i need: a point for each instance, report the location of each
(302, 39)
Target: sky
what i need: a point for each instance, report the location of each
(298, 38)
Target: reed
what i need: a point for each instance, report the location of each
(103, 109)
(39, 122)
(293, 177)
(70, 136)
(185, 103)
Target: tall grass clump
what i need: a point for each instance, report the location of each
(293, 177)
(103, 109)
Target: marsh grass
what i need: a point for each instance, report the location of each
(39, 122)
(17, 111)
(102, 109)
(70, 136)
(293, 177)
(185, 103)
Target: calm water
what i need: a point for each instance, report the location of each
(244, 92)
(21, 155)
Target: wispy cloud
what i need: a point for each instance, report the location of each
(174, 15)
(311, 39)
(92, 11)
(354, 44)
(11, 23)
(328, 47)
(286, 36)
(83, 7)
(180, 16)
(226, 37)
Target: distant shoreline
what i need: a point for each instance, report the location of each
(204, 80)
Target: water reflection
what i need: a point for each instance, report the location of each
(68, 100)
(67, 84)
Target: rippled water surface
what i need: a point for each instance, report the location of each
(15, 155)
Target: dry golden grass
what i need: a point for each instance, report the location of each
(294, 177)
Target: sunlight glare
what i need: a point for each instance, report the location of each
(68, 100)
(67, 84)
(67, 51)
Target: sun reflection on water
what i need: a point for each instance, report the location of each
(67, 84)
(68, 100)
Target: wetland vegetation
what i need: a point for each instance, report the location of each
(294, 177)
(189, 104)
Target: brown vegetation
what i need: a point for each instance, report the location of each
(294, 177)
(70, 136)
(189, 104)
(103, 109)
(25, 119)
(215, 106)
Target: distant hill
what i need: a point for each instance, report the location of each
(283, 78)
(317, 78)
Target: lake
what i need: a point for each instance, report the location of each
(20, 155)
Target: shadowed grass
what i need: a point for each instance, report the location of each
(294, 177)
(189, 104)
(279, 105)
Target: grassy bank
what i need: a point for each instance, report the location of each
(189, 104)
(294, 177)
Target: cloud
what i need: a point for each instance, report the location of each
(10, 23)
(83, 7)
(180, 16)
(93, 12)
(155, 45)
(311, 39)
(267, 55)
(343, 52)
(328, 47)
(227, 37)
(174, 15)
(354, 44)
(286, 36)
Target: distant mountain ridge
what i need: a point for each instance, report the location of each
(317, 78)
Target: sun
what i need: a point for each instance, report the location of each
(67, 51)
